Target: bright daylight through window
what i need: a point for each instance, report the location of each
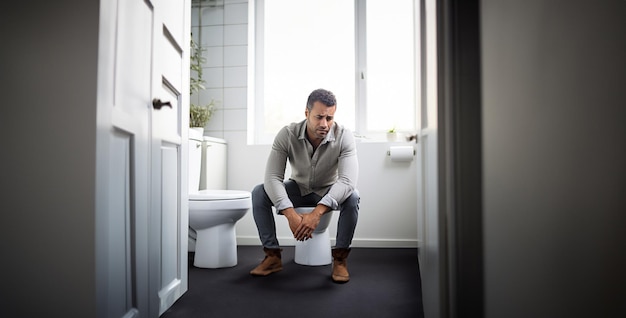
(364, 51)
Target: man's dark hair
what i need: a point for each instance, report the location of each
(321, 95)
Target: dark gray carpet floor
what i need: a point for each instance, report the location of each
(384, 282)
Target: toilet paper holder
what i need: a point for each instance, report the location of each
(412, 137)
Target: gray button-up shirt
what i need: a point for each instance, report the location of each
(331, 171)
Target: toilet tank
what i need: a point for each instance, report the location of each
(195, 163)
(214, 166)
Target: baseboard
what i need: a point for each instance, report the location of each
(366, 243)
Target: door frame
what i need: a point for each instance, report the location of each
(460, 151)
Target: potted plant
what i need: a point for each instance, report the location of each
(199, 115)
(392, 134)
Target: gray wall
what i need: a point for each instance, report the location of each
(554, 113)
(48, 75)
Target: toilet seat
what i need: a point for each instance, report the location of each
(210, 200)
(218, 195)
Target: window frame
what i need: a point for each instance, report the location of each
(256, 71)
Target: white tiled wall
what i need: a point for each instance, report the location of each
(222, 31)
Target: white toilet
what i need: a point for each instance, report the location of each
(315, 251)
(213, 211)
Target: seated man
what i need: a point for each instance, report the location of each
(324, 168)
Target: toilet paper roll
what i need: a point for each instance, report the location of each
(401, 153)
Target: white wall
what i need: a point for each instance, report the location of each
(554, 158)
(388, 205)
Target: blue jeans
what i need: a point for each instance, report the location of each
(264, 217)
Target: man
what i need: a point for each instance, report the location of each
(324, 168)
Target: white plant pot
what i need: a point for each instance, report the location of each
(196, 131)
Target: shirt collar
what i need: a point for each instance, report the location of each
(329, 137)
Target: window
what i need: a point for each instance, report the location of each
(364, 51)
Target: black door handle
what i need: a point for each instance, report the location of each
(157, 103)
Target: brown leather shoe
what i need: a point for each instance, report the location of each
(340, 265)
(271, 263)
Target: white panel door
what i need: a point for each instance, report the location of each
(123, 141)
(141, 212)
(169, 154)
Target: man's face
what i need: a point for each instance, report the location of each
(320, 120)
